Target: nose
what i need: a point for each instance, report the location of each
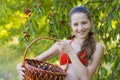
(80, 27)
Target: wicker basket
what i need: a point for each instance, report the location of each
(40, 70)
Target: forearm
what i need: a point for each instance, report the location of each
(44, 56)
(79, 68)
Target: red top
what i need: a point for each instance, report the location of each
(64, 57)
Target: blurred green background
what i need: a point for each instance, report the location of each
(21, 21)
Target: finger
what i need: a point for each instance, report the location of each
(63, 42)
(60, 49)
(19, 67)
(22, 73)
(59, 43)
(22, 77)
(23, 69)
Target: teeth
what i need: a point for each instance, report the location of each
(82, 32)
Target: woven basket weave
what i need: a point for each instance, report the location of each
(41, 70)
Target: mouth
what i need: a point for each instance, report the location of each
(81, 32)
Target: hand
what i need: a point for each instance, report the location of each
(64, 46)
(20, 70)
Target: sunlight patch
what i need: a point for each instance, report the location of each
(15, 40)
(108, 67)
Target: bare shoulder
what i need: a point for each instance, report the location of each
(96, 58)
(99, 45)
(99, 51)
(97, 55)
(99, 48)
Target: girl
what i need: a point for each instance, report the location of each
(84, 53)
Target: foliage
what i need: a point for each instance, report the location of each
(27, 20)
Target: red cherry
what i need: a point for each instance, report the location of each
(63, 22)
(27, 11)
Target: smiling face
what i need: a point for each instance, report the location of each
(80, 24)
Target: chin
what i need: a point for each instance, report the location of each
(81, 36)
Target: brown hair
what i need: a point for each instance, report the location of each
(90, 43)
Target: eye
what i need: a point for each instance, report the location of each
(84, 22)
(75, 24)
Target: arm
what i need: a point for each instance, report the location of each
(49, 53)
(85, 73)
(44, 56)
(97, 57)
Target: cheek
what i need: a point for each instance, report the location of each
(73, 29)
(88, 26)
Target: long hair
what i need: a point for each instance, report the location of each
(90, 43)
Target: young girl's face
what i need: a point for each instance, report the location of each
(80, 24)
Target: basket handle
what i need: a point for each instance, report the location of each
(35, 40)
